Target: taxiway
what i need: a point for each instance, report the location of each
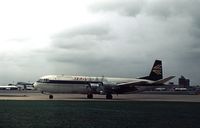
(29, 95)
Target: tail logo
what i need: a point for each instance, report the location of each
(157, 69)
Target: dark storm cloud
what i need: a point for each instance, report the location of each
(82, 38)
(80, 45)
(162, 8)
(184, 17)
(91, 49)
(171, 8)
(164, 29)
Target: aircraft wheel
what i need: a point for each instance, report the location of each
(90, 96)
(109, 96)
(50, 96)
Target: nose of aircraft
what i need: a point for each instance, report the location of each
(35, 85)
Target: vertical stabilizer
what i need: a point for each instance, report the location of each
(156, 72)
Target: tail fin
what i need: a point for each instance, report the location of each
(156, 72)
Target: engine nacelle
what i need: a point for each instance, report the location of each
(97, 88)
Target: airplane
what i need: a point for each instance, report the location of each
(100, 85)
(8, 87)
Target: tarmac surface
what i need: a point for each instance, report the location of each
(34, 95)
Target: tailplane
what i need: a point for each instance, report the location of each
(156, 72)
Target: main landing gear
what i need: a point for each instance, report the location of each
(109, 96)
(90, 96)
(50, 96)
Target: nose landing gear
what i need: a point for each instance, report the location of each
(50, 96)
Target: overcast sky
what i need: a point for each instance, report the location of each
(118, 38)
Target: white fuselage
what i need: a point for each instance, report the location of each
(77, 84)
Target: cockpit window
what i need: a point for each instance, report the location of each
(39, 80)
(43, 80)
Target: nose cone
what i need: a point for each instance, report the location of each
(35, 85)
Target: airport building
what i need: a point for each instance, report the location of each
(183, 82)
(25, 86)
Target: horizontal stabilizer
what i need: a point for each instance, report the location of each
(133, 83)
(162, 81)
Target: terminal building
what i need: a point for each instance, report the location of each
(183, 82)
(25, 86)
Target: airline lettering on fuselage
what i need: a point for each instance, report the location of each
(157, 69)
(85, 78)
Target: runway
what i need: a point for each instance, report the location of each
(29, 95)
